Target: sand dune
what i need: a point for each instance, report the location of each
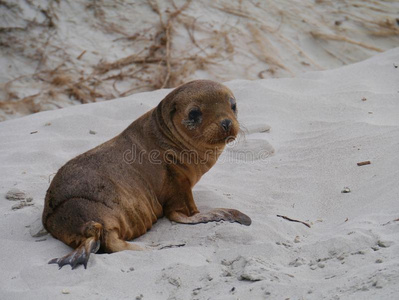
(58, 53)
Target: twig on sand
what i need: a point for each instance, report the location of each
(363, 163)
(293, 220)
(81, 54)
(389, 222)
(171, 246)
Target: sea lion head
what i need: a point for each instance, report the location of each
(202, 113)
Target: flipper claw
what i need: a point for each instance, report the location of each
(80, 256)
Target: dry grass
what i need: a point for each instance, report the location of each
(267, 52)
(334, 37)
(252, 31)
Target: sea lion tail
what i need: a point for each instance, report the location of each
(90, 244)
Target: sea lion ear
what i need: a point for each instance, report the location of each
(173, 109)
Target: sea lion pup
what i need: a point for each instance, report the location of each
(116, 191)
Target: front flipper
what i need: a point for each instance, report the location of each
(215, 215)
(79, 256)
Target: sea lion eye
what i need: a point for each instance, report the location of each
(194, 115)
(233, 104)
(194, 119)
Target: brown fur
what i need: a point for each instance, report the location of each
(106, 195)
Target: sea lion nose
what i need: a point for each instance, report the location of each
(226, 124)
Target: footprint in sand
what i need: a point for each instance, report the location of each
(245, 148)
(256, 128)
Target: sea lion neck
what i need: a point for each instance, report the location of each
(163, 124)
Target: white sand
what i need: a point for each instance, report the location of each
(319, 130)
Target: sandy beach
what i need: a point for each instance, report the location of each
(305, 135)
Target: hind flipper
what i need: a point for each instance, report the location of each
(79, 256)
(91, 232)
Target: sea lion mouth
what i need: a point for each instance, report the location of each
(222, 135)
(222, 140)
